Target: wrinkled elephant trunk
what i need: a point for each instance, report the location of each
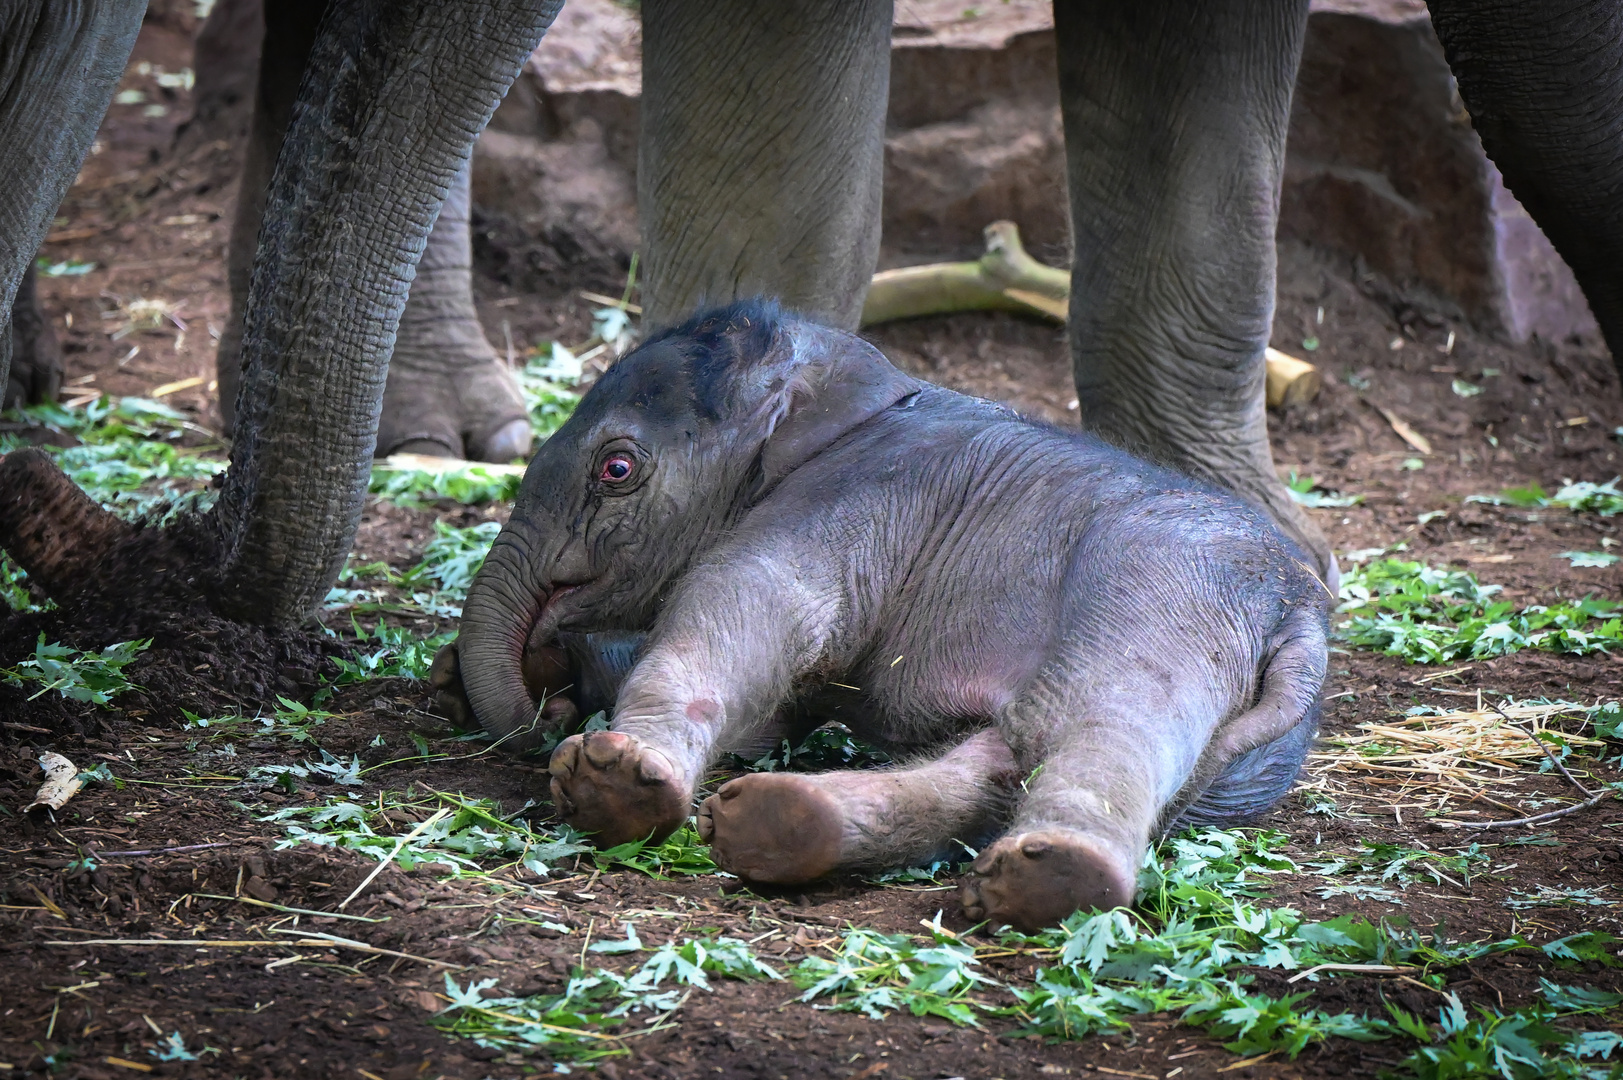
(498, 619)
(394, 94)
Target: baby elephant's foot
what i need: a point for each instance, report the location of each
(773, 828)
(1035, 879)
(612, 786)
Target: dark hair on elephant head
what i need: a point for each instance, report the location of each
(660, 458)
(717, 341)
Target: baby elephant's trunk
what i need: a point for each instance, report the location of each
(502, 608)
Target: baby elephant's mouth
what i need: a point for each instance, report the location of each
(545, 664)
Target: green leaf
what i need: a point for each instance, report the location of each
(1588, 558)
(632, 943)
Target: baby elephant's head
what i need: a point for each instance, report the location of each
(661, 456)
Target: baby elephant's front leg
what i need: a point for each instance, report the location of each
(731, 646)
(786, 829)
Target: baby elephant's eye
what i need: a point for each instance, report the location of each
(617, 469)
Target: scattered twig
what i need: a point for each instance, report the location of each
(1544, 746)
(1408, 434)
(1534, 820)
(289, 910)
(171, 850)
(50, 905)
(361, 946)
(400, 844)
(1381, 969)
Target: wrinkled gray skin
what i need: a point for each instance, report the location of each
(394, 94)
(760, 170)
(808, 534)
(447, 395)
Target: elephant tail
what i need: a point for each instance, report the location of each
(1260, 753)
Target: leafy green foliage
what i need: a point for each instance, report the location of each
(1401, 866)
(439, 582)
(680, 853)
(292, 720)
(1429, 616)
(831, 746)
(395, 652)
(876, 974)
(95, 677)
(127, 459)
(65, 268)
(469, 483)
(1306, 491)
(474, 830)
(1189, 949)
(579, 1024)
(1518, 1046)
(1588, 559)
(1590, 946)
(14, 586)
(1603, 499)
(455, 555)
(545, 380)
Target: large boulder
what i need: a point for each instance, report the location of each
(1382, 163)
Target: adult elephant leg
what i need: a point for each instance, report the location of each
(394, 94)
(762, 153)
(447, 394)
(1544, 86)
(36, 358)
(59, 63)
(1175, 119)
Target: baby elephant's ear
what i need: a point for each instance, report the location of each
(838, 382)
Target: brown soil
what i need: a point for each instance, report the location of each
(157, 226)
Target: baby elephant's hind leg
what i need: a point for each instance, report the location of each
(786, 828)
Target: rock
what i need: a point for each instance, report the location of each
(260, 889)
(973, 131)
(1383, 164)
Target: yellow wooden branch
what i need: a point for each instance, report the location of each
(1007, 278)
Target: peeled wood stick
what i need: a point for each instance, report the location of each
(1007, 278)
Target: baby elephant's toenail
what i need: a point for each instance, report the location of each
(1036, 849)
(602, 752)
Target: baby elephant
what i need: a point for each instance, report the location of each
(1080, 647)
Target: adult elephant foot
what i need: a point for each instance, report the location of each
(774, 828)
(610, 785)
(448, 395)
(1035, 879)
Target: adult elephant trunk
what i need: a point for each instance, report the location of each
(1544, 85)
(394, 95)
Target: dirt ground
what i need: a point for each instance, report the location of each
(184, 826)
